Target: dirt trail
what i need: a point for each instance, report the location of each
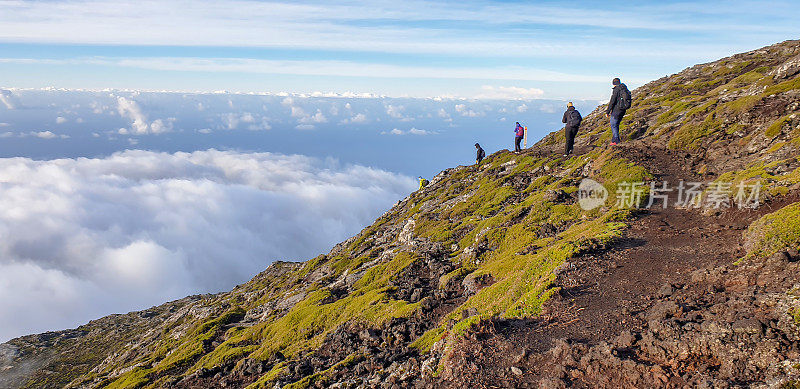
(662, 247)
(602, 293)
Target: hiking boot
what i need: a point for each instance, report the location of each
(613, 143)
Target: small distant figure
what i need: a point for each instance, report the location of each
(481, 154)
(519, 133)
(422, 182)
(619, 103)
(573, 120)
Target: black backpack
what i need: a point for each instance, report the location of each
(482, 154)
(624, 98)
(574, 118)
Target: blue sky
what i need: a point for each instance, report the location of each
(408, 48)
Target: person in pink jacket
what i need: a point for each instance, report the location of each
(519, 133)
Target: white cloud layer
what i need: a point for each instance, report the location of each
(509, 93)
(83, 238)
(411, 131)
(128, 108)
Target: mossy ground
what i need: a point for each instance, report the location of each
(773, 232)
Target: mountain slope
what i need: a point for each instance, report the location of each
(688, 297)
(501, 257)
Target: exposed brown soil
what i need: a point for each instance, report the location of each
(612, 294)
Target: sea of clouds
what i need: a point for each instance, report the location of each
(85, 237)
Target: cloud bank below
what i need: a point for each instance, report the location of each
(87, 237)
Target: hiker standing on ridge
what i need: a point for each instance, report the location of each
(573, 120)
(519, 131)
(619, 103)
(481, 154)
(422, 183)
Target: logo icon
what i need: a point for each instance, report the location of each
(591, 194)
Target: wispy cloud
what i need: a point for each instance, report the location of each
(379, 25)
(411, 131)
(334, 68)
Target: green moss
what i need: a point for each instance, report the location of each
(776, 147)
(692, 134)
(616, 171)
(271, 376)
(172, 355)
(458, 273)
(425, 342)
(777, 126)
(321, 378)
(761, 173)
(746, 79)
(523, 281)
(305, 326)
(783, 87)
(774, 232)
(189, 351)
(737, 127)
(673, 113)
(312, 264)
(740, 105)
(225, 353)
(778, 191)
(796, 316)
(136, 378)
(461, 327)
(379, 276)
(732, 67)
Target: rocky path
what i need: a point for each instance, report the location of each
(602, 293)
(606, 294)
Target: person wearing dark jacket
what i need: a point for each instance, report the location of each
(519, 133)
(480, 155)
(572, 118)
(616, 108)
